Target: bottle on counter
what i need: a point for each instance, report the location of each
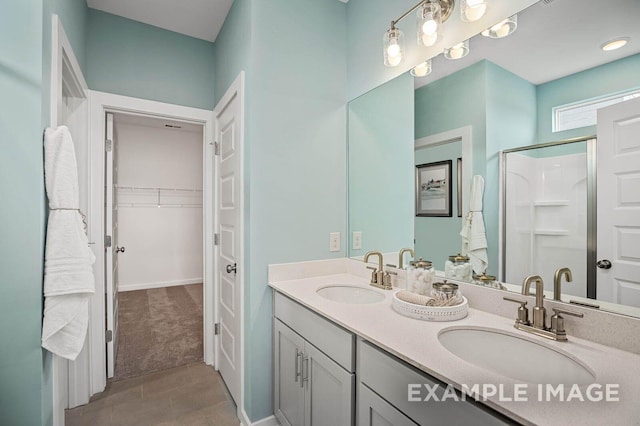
(420, 275)
(458, 268)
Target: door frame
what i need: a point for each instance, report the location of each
(99, 104)
(67, 390)
(235, 89)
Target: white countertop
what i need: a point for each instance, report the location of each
(416, 342)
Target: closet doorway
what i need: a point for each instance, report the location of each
(154, 266)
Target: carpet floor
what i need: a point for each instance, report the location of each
(158, 329)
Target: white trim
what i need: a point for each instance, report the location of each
(105, 102)
(267, 421)
(235, 89)
(70, 386)
(465, 135)
(159, 284)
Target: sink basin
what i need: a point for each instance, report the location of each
(515, 357)
(350, 294)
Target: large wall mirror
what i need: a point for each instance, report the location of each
(499, 112)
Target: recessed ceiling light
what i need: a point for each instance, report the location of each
(615, 44)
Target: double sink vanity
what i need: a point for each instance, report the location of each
(343, 356)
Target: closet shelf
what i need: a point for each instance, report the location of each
(158, 206)
(142, 188)
(543, 203)
(551, 203)
(541, 231)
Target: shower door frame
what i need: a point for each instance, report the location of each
(592, 223)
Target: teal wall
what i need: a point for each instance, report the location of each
(501, 109)
(74, 15)
(511, 122)
(452, 102)
(381, 172)
(129, 58)
(438, 237)
(295, 152)
(21, 214)
(606, 79)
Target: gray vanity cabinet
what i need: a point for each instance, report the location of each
(390, 378)
(375, 411)
(314, 375)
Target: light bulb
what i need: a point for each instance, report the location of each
(456, 51)
(429, 39)
(422, 69)
(503, 31)
(395, 60)
(393, 50)
(430, 27)
(473, 13)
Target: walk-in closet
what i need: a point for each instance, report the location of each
(158, 239)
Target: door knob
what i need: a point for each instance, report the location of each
(119, 249)
(604, 264)
(231, 268)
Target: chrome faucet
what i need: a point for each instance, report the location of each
(539, 312)
(379, 278)
(538, 327)
(557, 281)
(401, 256)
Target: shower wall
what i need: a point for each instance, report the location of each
(546, 217)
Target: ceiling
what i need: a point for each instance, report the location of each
(201, 19)
(554, 38)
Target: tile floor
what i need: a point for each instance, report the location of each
(192, 394)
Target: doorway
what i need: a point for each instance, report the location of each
(154, 265)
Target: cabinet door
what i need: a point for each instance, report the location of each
(329, 397)
(288, 386)
(375, 411)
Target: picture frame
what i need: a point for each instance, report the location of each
(459, 186)
(433, 189)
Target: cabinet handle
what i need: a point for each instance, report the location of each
(298, 357)
(305, 375)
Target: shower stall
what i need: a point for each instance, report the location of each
(548, 208)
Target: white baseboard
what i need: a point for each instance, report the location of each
(159, 284)
(267, 421)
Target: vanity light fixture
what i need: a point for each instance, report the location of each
(502, 28)
(431, 15)
(614, 44)
(393, 47)
(472, 10)
(458, 51)
(422, 69)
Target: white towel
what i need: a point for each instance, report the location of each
(68, 274)
(474, 239)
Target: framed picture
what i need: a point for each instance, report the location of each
(459, 174)
(433, 189)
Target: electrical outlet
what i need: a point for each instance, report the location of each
(334, 241)
(356, 243)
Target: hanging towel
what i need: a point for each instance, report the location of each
(68, 272)
(474, 239)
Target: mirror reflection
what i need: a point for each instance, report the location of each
(543, 83)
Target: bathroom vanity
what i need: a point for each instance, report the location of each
(344, 357)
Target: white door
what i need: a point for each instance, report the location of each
(111, 251)
(228, 136)
(618, 250)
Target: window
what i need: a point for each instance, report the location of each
(584, 113)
